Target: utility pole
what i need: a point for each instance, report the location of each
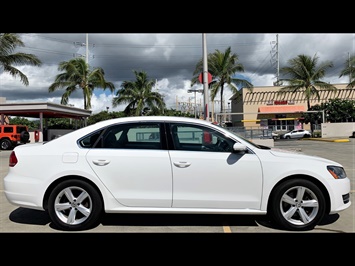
(275, 54)
(87, 48)
(86, 44)
(205, 79)
(350, 67)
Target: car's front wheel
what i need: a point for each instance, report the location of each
(297, 205)
(75, 205)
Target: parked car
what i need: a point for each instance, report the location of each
(191, 166)
(296, 134)
(275, 135)
(13, 135)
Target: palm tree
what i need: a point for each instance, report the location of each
(305, 74)
(8, 60)
(223, 67)
(139, 96)
(77, 75)
(349, 70)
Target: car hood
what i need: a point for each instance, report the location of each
(299, 155)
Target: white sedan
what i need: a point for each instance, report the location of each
(158, 164)
(296, 134)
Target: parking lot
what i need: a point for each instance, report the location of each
(15, 219)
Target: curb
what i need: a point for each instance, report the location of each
(329, 140)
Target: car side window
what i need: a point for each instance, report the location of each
(133, 136)
(197, 138)
(91, 141)
(8, 130)
(125, 136)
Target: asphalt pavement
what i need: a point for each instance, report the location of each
(15, 219)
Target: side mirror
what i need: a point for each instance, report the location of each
(238, 147)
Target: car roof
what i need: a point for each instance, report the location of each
(104, 123)
(152, 118)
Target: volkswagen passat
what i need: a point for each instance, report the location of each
(171, 165)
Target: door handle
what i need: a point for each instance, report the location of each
(182, 164)
(101, 162)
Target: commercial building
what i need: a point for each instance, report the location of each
(267, 108)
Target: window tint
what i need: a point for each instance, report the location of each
(8, 130)
(197, 138)
(20, 129)
(126, 136)
(91, 140)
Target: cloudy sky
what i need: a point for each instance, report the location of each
(169, 59)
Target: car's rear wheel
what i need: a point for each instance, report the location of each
(75, 205)
(297, 205)
(5, 144)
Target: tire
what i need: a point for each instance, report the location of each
(69, 212)
(24, 136)
(297, 216)
(5, 144)
(288, 137)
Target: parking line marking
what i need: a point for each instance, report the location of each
(227, 229)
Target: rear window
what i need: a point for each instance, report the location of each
(20, 129)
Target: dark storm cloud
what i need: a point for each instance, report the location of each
(170, 59)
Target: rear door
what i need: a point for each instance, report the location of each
(132, 161)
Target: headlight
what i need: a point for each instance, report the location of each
(336, 171)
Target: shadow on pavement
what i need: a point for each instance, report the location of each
(329, 219)
(177, 220)
(29, 216)
(36, 217)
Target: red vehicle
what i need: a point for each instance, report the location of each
(13, 135)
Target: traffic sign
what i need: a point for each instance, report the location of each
(209, 78)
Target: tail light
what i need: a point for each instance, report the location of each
(12, 159)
